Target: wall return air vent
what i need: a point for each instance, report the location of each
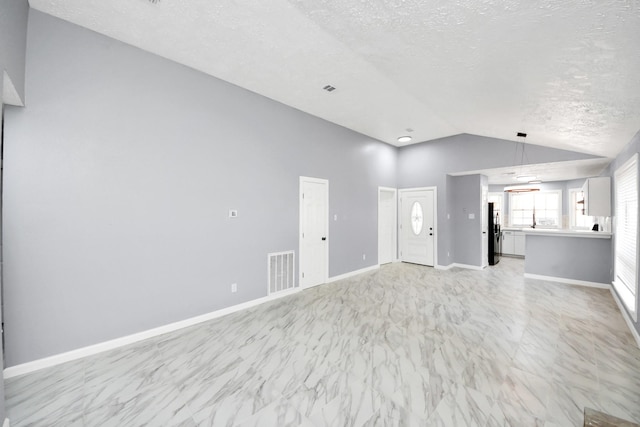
(281, 267)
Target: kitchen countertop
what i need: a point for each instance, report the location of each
(562, 232)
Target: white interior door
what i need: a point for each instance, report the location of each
(418, 233)
(484, 220)
(314, 231)
(387, 225)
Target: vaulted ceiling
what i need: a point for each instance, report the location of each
(566, 72)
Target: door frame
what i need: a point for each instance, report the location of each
(435, 218)
(484, 222)
(325, 273)
(395, 221)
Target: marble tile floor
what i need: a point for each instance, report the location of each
(404, 345)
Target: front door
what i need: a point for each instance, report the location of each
(418, 226)
(314, 227)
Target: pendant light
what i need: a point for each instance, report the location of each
(530, 179)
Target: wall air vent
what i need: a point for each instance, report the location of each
(281, 269)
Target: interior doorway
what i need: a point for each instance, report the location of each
(387, 225)
(314, 231)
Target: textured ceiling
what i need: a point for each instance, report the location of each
(567, 72)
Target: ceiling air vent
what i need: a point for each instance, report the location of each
(329, 88)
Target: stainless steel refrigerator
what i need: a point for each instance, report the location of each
(495, 236)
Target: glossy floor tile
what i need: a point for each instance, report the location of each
(405, 345)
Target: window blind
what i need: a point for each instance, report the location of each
(626, 193)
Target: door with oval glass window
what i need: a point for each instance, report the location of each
(417, 226)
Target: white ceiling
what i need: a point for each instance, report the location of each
(567, 72)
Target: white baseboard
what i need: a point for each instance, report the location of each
(79, 353)
(626, 317)
(57, 359)
(353, 273)
(444, 267)
(568, 281)
(467, 266)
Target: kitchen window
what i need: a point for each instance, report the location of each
(625, 279)
(541, 209)
(577, 219)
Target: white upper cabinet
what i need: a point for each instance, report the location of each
(597, 196)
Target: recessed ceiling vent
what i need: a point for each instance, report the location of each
(154, 1)
(328, 88)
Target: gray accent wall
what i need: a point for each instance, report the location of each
(466, 199)
(428, 163)
(13, 38)
(120, 172)
(629, 150)
(574, 258)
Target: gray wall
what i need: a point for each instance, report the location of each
(466, 198)
(576, 258)
(629, 150)
(13, 39)
(428, 164)
(2, 411)
(119, 175)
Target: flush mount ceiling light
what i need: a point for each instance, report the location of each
(405, 138)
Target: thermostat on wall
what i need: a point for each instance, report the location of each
(233, 213)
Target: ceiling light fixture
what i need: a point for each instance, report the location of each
(521, 188)
(531, 179)
(405, 138)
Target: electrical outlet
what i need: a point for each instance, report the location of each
(448, 254)
(364, 257)
(234, 287)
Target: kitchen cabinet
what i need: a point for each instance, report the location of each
(518, 243)
(513, 242)
(508, 243)
(597, 196)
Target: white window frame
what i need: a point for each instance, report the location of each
(627, 292)
(572, 212)
(559, 218)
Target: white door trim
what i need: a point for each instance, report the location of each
(325, 273)
(395, 220)
(484, 222)
(435, 216)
